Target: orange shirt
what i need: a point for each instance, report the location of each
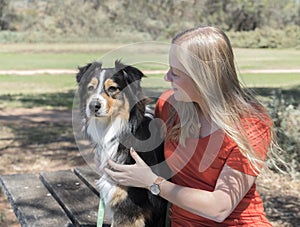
(194, 169)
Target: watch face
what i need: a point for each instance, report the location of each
(154, 188)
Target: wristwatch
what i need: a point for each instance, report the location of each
(155, 187)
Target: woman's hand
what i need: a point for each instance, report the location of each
(136, 175)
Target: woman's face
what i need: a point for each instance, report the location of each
(183, 85)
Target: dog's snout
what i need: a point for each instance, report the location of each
(94, 105)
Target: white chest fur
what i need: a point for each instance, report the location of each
(105, 134)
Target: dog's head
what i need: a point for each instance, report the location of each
(107, 93)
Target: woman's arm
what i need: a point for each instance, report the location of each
(231, 187)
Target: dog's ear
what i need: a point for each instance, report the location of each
(131, 73)
(81, 72)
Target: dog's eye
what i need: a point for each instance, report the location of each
(91, 88)
(112, 89)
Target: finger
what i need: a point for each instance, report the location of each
(114, 175)
(136, 157)
(109, 172)
(116, 166)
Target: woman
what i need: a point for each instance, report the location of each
(217, 138)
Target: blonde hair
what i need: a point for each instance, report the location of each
(207, 57)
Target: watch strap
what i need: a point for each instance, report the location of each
(159, 180)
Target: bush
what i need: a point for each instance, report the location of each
(267, 38)
(285, 113)
(114, 20)
(11, 37)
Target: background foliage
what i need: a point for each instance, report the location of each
(250, 23)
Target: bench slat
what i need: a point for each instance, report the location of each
(74, 196)
(32, 202)
(89, 176)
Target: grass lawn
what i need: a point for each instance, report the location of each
(275, 80)
(267, 58)
(15, 89)
(14, 84)
(64, 56)
(69, 56)
(27, 61)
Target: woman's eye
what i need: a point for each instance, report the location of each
(112, 89)
(173, 74)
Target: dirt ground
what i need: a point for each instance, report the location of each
(40, 139)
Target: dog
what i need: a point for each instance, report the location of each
(115, 117)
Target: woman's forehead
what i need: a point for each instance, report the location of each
(174, 62)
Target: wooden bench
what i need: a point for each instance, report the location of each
(60, 198)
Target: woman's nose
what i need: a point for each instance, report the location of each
(168, 77)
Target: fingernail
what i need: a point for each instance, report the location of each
(132, 150)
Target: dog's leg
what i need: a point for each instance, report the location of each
(118, 203)
(139, 222)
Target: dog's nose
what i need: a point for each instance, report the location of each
(94, 105)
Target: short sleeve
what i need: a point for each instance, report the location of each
(259, 137)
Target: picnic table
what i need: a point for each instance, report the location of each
(59, 198)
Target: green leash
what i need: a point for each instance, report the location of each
(101, 209)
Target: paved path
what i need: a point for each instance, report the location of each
(70, 71)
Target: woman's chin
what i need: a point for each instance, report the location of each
(180, 97)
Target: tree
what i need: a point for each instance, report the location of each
(237, 15)
(3, 21)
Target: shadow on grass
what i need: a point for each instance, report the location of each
(51, 131)
(53, 140)
(62, 99)
(45, 131)
(291, 95)
(42, 133)
(65, 99)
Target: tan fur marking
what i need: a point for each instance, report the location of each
(124, 110)
(110, 103)
(94, 82)
(108, 83)
(139, 222)
(119, 196)
(117, 107)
